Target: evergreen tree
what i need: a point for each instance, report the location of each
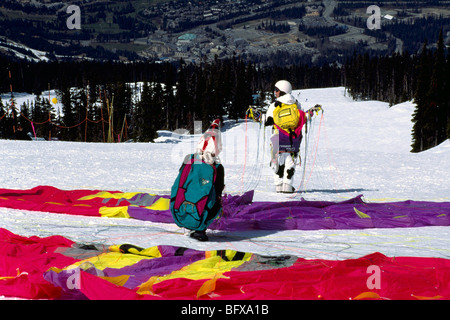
(2, 120)
(144, 129)
(74, 114)
(24, 124)
(122, 107)
(93, 125)
(421, 129)
(68, 118)
(199, 92)
(38, 116)
(182, 100)
(49, 116)
(242, 91)
(432, 98)
(438, 93)
(448, 94)
(159, 104)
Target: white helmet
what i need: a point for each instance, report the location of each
(284, 86)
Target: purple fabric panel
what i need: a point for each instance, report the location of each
(172, 259)
(62, 279)
(147, 268)
(167, 251)
(141, 213)
(240, 213)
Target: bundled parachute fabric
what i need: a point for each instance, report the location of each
(23, 262)
(239, 212)
(57, 268)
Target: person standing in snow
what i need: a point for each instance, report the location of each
(287, 118)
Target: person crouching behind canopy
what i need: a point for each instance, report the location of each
(196, 196)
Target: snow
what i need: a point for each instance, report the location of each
(35, 56)
(357, 147)
(23, 97)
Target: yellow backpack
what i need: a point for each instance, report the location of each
(286, 116)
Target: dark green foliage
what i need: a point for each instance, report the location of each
(173, 96)
(432, 96)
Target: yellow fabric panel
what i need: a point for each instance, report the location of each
(114, 212)
(160, 204)
(208, 287)
(119, 280)
(115, 260)
(114, 248)
(211, 267)
(229, 254)
(120, 212)
(361, 214)
(109, 195)
(149, 252)
(367, 295)
(55, 269)
(438, 297)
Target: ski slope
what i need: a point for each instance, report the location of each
(355, 147)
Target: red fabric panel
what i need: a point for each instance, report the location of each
(96, 288)
(400, 278)
(50, 199)
(25, 260)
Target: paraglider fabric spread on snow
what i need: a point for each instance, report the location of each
(58, 268)
(240, 212)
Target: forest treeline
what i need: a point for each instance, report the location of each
(111, 101)
(424, 78)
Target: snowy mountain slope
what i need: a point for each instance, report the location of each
(356, 148)
(23, 52)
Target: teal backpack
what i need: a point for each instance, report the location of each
(193, 194)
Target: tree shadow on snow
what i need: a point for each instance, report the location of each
(232, 236)
(359, 190)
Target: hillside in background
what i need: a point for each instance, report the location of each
(261, 31)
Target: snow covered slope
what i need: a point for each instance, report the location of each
(355, 148)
